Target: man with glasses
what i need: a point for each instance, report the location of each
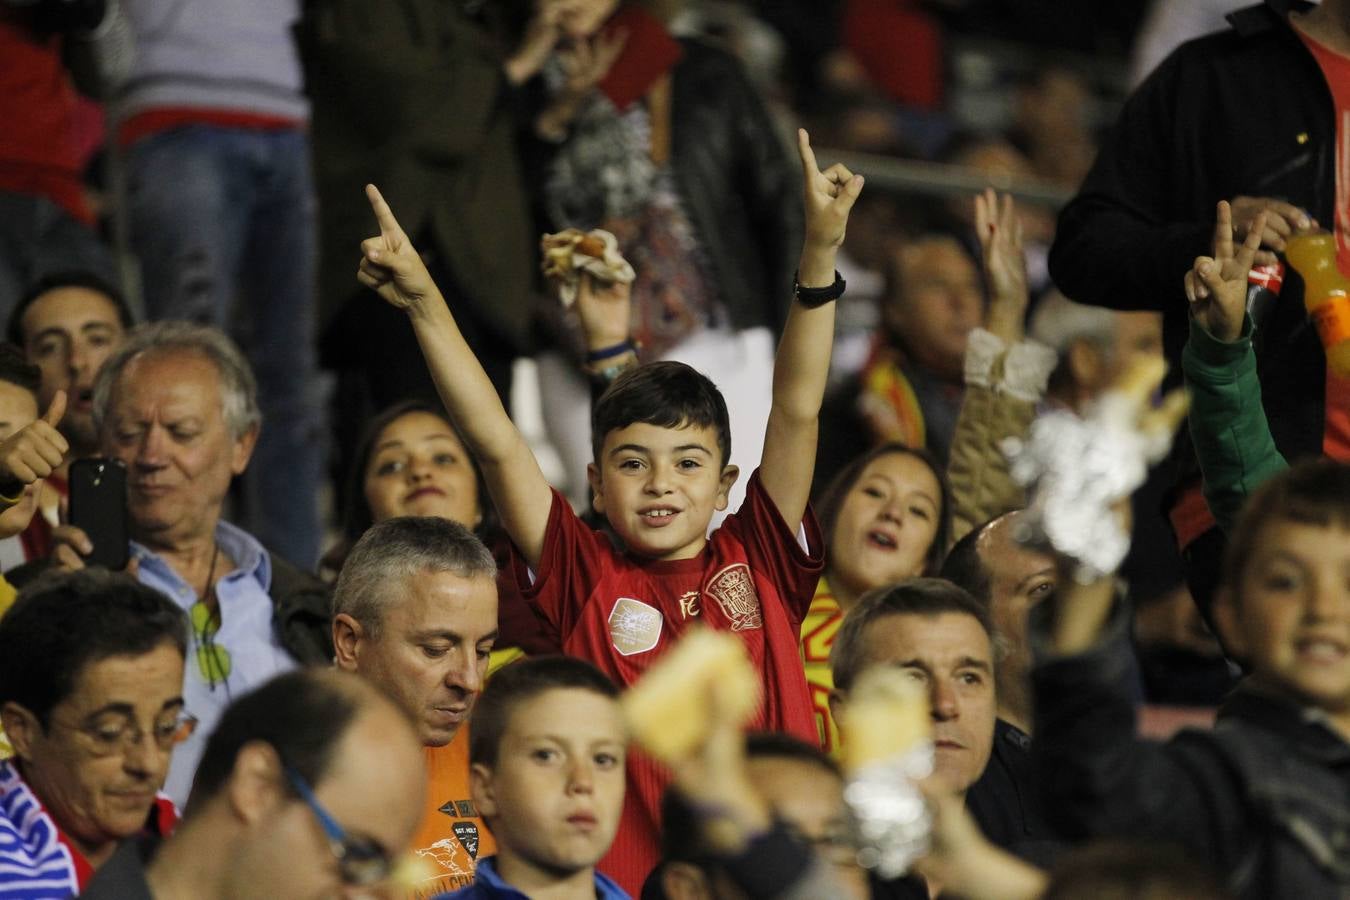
(91, 698)
(311, 786)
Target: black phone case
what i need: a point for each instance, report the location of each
(98, 506)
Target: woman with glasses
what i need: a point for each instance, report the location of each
(310, 786)
(91, 698)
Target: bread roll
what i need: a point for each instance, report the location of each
(887, 714)
(672, 708)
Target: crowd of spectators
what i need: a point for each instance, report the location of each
(389, 389)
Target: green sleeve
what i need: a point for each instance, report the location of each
(1227, 421)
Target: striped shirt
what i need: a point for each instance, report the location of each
(37, 860)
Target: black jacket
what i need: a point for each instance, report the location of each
(410, 95)
(1006, 801)
(1245, 111)
(1264, 798)
(740, 187)
(737, 183)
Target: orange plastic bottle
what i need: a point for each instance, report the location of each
(1326, 294)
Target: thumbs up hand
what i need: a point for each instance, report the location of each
(33, 452)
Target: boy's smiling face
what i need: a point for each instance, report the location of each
(659, 487)
(1293, 615)
(556, 791)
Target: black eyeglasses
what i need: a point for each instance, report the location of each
(361, 860)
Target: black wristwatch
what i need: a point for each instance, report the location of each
(813, 297)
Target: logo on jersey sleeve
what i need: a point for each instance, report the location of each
(734, 592)
(634, 627)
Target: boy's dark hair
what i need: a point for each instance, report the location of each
(664, 394)
(777, 745)
(915, 597)
(17, 370)
(302, 714)
(1121, 870)
(65, 621)
(520, 682)
(964, 568)
(78, 278)
(832, 498)
(1312, 492)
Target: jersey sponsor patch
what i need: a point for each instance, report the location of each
(734, 592)
(634, 627)
(467, 832)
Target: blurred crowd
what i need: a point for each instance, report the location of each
(483, 351)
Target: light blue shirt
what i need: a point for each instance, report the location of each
(246, 634)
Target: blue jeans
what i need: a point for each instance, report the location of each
(223, 221)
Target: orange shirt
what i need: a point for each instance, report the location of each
(452, 837)
(1336, 69)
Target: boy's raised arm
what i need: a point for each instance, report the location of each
(803, 359)
(393, 268)
(1228, 422)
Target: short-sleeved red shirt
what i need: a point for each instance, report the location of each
(621, 612)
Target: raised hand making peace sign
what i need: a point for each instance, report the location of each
(390, 265)
(1217, 286)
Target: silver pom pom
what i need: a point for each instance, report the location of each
(888, 818)
(1078, 470)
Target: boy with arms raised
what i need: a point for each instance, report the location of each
(660, 471)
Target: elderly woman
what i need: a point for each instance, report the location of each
(177, 405)
(91, 697)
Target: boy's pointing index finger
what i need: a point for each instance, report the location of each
(804, 150)
(389, 226)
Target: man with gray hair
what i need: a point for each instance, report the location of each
(176, 404)
(415, 613)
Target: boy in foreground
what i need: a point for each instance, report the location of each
(547, 756)
(661, 441)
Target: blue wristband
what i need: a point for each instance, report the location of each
(611, 352)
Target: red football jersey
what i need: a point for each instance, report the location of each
(621, 612)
